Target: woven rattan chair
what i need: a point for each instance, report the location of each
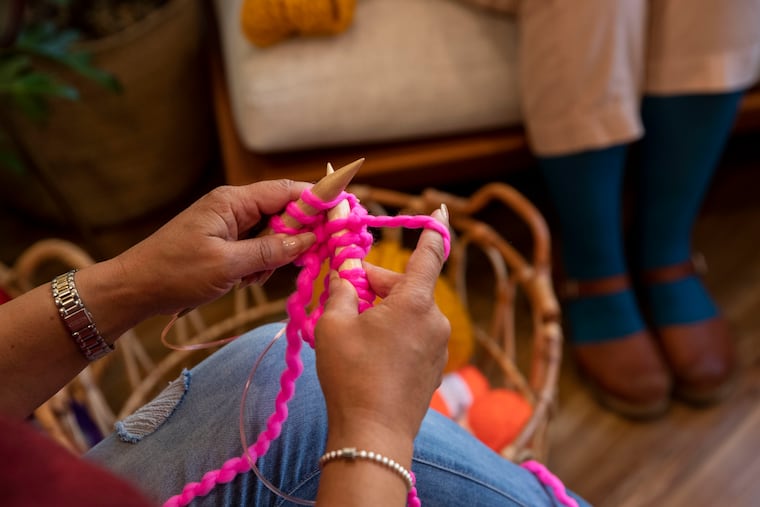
(496, 338)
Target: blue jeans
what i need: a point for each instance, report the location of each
(201, 433)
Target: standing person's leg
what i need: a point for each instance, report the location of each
(701, 55)
(201, 433)
(581, 69)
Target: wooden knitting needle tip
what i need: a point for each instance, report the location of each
(326, 189)
(342, 210)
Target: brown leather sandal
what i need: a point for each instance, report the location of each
(628, 374)
(701, 354)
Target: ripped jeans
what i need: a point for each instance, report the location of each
(193, 428)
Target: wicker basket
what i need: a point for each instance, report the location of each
(513, 275)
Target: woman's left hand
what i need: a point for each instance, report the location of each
(204, 251)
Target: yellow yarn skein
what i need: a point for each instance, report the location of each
(389, 254)
(266, 22)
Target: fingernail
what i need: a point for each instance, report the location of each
(445, 211)
(297, 244)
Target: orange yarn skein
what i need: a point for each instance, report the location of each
(494, 416)
(458, 391)
(497, 417)
(266, 22)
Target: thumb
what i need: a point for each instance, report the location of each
(271, 251)
(343, 298)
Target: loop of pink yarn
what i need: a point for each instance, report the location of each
(354, 241)
(552, 481)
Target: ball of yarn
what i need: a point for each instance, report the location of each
(458, 391)
(266, 22)
(497, 417)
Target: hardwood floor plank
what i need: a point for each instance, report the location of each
(729, 475)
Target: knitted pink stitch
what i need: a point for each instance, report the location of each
(355, 244)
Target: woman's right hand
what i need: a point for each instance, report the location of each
(379, 369)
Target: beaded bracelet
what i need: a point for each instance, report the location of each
(76, 318)
(350, 453)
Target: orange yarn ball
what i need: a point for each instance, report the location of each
(497, 417)
(475, 380)
(458, 391)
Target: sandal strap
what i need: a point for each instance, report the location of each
(574, 289)
(696, 266)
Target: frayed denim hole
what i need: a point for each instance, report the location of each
(151, 416)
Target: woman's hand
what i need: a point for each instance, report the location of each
(205, 250)
(195, 258)
(379, 369)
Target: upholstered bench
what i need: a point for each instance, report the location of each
(412, 84)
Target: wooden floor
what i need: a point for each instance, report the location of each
(694, 458)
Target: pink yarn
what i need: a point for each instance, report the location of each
(552, 481)
(354, 242)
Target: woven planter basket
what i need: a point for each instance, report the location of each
(514, 275)
(118, 156)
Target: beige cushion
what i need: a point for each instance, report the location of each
(405, 68)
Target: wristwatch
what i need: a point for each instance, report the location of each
(77, 318)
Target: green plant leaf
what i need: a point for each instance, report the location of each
(37, 83)
(81, 62)
(31, 91)
(45, 41)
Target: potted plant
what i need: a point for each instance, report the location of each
(105, 104)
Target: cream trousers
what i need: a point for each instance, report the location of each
(585, 64)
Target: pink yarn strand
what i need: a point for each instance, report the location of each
(354, 243)
(550, 480)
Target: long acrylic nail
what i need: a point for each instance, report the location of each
(445, 211)
(297, 244)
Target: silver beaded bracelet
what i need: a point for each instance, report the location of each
(77, 318)
(350, 453)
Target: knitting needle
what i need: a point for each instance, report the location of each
(326, 189)
(341, 210)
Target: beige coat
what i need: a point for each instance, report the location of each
(585, 64)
